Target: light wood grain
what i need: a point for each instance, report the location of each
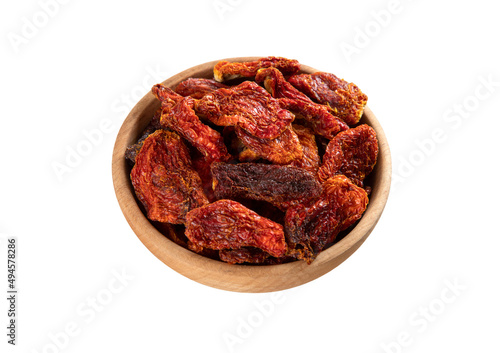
(240, 278)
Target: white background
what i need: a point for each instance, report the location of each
(86, 63)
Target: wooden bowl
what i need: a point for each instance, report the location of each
(240, 278)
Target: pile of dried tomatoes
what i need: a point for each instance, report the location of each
(265, 168)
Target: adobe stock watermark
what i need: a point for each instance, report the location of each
(76, 153)
(452, 119)
(364, 35)
(422, 318)
(222, 7)
(32, 25)
(87, 312)
(247, 326)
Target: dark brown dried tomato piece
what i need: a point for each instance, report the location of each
(345, 99)
(182, 119)
(163, 179)
(314, 224)
(352, 153)
(239, 256)
(281, 150)
(198, 87)
(268, 182)
(225, 70)
(132, 150)
(247, 105)
(227, 224)
(310, 159)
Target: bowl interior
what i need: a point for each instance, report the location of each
(241, 278)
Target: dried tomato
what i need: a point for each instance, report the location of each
(288, 206)
(163, 179)
(276, 84)
(314, 224)
(198, 87)
(310, 159)
(133, 150)
(281, 150)
(247, 105)
(345, 99)
(242, 255)
(166, 96)
(182, 119)
(352, 153)
(202, 165)
(268, 182)
(319, 116)
(225, 70)
(227, 224)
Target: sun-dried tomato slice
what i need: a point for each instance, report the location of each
(202, 165)
(344, 98)
(163, 179)
(247, 105)
(282, 150)
(225, 70)
(352, 153)
(276, 84)
(310, 158)
(166, 96)
(198, 87)
(268, 182)
(227, 224)
(182, 119)
(319, 116)
(314, 224)
(302, 204)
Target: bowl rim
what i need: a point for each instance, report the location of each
(218, 274)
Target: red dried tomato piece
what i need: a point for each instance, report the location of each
(276, 84)
(267, 182)
(202, 165)
(314, 224)
(227, 224)
(352, 153)
(198, 87)
(182, 119)
(247, 105)
(225, 70)
(166, 96)
(281, 150)
(163, 179)
(345, 99)
(319, 116)
(310, 158)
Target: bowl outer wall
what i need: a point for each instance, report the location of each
(217, 274)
